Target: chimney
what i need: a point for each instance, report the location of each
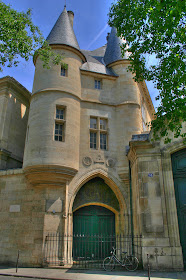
(71, 17)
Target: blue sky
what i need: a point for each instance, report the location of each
(90, 27)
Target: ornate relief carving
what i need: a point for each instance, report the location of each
(110, 162)
(99, 159)
(96, 191)
(87, 161)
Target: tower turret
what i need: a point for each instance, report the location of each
(52, 145)
(62, 33)
(127, 93)
(113, 50)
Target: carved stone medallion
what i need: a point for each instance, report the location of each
(110, 162)
(87, 161)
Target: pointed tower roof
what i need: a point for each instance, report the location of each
(113, 50)
(62, 33)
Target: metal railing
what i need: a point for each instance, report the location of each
(87, 251)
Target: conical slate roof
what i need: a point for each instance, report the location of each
(113, 50)
(62, 33)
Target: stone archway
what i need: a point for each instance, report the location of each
(96, 192)
(114, 186)
(95, 215)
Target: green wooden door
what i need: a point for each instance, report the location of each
(179, 174)
(93, 229)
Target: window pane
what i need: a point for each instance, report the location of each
(58, 132)
(63, 72)
(93, 140)
(97, 84)
(103, 141)
(103, 124)
(93, 123)
(60, 114)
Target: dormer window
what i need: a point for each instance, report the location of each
(97, 84)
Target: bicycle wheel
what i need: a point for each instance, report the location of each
(131, 263)
(108, 264)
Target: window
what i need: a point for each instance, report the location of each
(103, 141)
(98, 133)
(98, 84)
(59, 134)
(93, 140)
(93, 123)
(60, 114)
(64, 69)
(63, 72)
(103, 124)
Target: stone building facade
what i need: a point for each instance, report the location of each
(80, 144)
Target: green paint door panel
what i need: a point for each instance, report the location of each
(179, 174)
(93, 229)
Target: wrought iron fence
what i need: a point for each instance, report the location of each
(87, 251)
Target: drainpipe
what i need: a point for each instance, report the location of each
(131, 210)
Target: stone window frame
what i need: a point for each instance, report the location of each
(64, 70)
(60, 122)
(97, 129)
(98, 84)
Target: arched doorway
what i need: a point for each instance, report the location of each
(179, 175)
(94, 232)
(95, 213)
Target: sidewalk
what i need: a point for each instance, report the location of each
(68, 274)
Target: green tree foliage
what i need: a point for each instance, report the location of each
(157, 28)
(20, 38)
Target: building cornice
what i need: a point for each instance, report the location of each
(98, 75)
(7, 83)
(10, 155)
(51, 90)
(64, 47)
(143, 87)
(119, 62)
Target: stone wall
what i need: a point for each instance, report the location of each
(27, 214)
(150, 209)
(14, 107)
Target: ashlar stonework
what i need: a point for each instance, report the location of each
(69, 146)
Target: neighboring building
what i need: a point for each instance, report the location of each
(89, 166)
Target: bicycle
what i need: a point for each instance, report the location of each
(130, 262)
